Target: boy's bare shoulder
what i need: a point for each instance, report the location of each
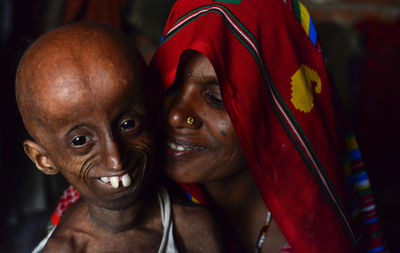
(70, 234)
(61, 243)
(66, 240)
(194, 228)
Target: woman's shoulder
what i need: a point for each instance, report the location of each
(193, 215)
(195, 229)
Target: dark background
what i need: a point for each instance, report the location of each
(361, 39)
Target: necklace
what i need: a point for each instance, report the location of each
(263, 232)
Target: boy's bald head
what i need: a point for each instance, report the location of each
(81, 90)
(64, 64)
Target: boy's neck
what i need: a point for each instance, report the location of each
(124, 219)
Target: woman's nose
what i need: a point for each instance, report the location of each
(181, 112)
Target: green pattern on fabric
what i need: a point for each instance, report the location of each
(365, 192)
(296, 8)
(229, 1)
(248, 33)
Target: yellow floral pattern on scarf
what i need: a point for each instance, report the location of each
(305, 82)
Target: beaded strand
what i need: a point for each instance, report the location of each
(263, 233)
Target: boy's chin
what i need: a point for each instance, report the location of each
(115, 199)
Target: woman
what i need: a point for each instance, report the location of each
(247, 91)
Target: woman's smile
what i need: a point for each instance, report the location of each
(177, 148)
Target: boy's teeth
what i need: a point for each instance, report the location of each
(126, 180)
(114, 182)
(180, 148)
(105, 179)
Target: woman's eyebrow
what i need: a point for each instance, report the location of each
(208, 79)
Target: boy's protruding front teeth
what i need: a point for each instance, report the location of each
(114, 181)
(126, 180)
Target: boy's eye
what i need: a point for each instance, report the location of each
(128, 125)
(81, 140)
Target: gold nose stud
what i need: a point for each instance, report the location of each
(190, 120)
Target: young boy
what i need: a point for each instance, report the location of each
(81, 93)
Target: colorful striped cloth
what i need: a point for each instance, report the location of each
(305, 20)
(363, 208)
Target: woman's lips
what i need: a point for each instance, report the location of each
(179, 149)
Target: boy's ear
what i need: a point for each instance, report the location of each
(40, 157)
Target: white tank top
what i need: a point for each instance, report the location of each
(167, 242)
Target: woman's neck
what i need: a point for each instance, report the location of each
(235, 191)
(241, 206)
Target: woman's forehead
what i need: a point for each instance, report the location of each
(196, 64)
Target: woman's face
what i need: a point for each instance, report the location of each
(205, 149)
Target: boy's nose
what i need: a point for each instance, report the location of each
(114, 155)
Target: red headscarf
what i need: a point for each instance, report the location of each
(277, 93)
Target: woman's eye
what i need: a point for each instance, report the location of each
(214, 99)
(81, 140)
(128, 125)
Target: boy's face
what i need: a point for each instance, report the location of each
(95, 130)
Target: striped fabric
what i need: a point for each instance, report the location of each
(305, 20)
(365, 211)
(191, 198)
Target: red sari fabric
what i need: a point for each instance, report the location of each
(287, 116)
